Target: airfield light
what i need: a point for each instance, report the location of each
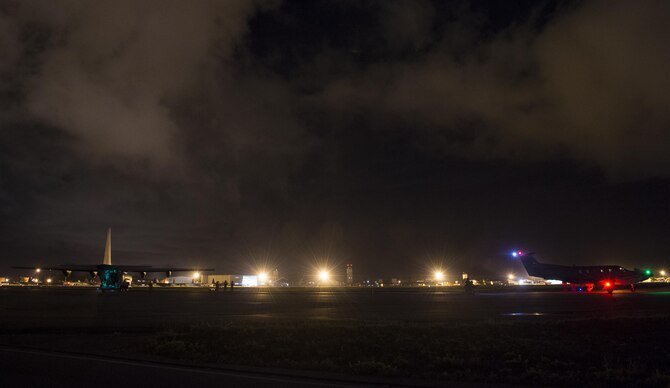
(196, 275)
(324, 275)
(647, 272)
(662, 273)
(263, 277)
(38, 270)
(49, 280)
(439, 275)
(510, 276)
(608, 284)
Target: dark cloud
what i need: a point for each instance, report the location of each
(589, 82)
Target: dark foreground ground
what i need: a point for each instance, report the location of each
(397, 336)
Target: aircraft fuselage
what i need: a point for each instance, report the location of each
(605, 276)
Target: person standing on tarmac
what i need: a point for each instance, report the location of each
(469, 287)
(216, 286)
(232, 284)
(225, 285)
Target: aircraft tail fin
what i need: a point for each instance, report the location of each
(107, 260)
(530, 264)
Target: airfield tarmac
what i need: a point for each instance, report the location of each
(56, 307)
(38, 324)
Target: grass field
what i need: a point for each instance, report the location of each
(613, 352)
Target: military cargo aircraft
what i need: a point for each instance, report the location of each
(111, 276)
(605, 277)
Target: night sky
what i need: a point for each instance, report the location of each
(394, 135)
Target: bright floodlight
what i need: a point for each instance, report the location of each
(515, 254)
(196, 275)
(49, 280)
(510, 276)
(662, 273)
(38, 270)
(439, 275)
(323, 276)
(262, 276)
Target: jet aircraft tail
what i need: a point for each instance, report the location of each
(107, 259)
(531, 264)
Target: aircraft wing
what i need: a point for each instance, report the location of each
(124, 268)
(65, 267)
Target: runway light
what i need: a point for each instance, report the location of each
(439, 275)
(262, 277)
(196, 275)
(647, 272)
(38, 270)
(323, 276)
(510, 276)
(49, 280)
(662, 273)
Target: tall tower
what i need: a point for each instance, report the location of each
(350, 274)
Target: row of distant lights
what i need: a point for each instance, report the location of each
(39, 270)
(324, 275)
(263, 276)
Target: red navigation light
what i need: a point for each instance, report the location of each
(520, 253)
(608, 284)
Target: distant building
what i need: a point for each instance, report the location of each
(350, 274)
(221, 278)
(180, 280)
(240, 280)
